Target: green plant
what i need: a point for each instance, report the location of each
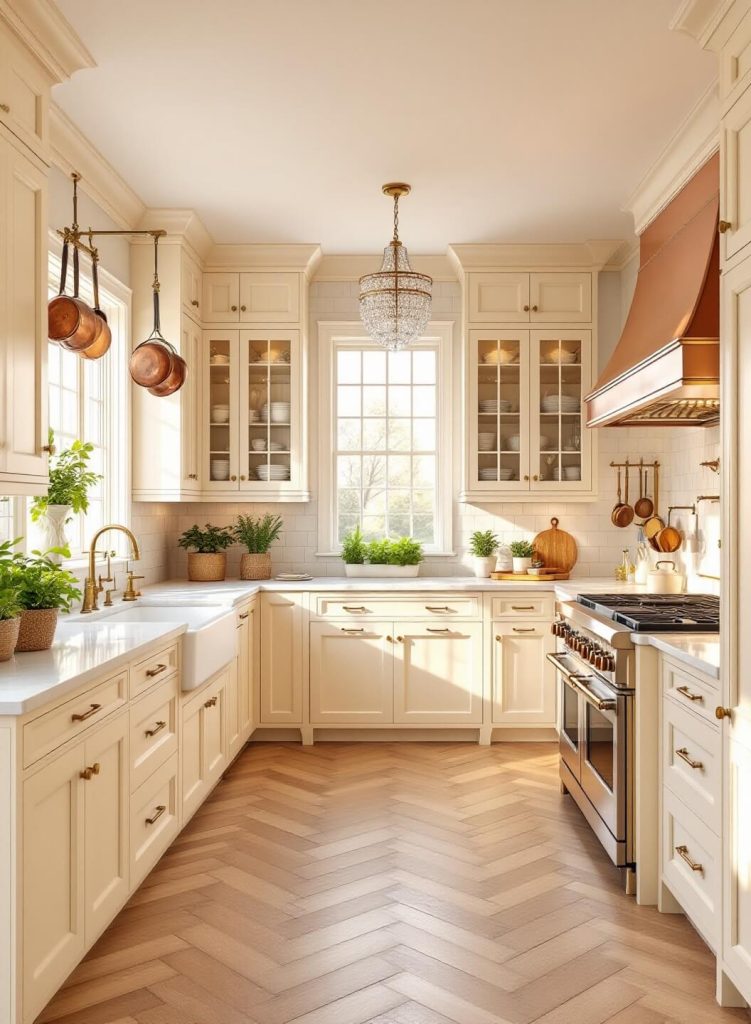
(10, 606)
(405, 551)
(70, 479)
(42, 583)
(379, 552)
(257, 534)
(522, 549)
(354, 547)
(483, 543)
(208, 541)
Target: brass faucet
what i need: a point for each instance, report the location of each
(91, 588)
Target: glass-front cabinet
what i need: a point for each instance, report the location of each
(254, 438)
(525, 419)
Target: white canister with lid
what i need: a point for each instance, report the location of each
(665, 580)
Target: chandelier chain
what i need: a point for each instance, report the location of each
(396, 218)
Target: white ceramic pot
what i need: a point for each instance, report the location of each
(665, 578)
(522, 565)
(54, 521)
(484, 566)
(382, 570)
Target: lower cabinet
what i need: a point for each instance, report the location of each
(204, 742)
(523, 680)
(438, 673)
(282, 659)
(154, 819)
(351, 672)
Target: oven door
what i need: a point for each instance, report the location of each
(571, 711)
(603, 741)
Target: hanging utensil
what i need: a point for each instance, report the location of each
(104, 338)
(72, 323)
(619, 504)
(624, 515)
(175, 380)
(152, 361)
(644, 507)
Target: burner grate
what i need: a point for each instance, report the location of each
(653, 613)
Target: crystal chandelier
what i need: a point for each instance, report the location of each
(395, 302)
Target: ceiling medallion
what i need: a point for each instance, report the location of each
(395, 303)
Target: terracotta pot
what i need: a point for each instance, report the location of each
(37, 630)
(207, 568)
(8, 637)
(255, 567)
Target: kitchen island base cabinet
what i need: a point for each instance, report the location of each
(438, 673)
(351, 672)
(523, 680)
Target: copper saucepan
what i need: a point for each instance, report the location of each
(174, 381)
(103, 339)
(151, 363)
(644, 506)
(70, 321)
(623, 514)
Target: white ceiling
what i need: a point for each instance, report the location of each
(278, 120)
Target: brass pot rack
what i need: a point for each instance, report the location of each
(72, 235)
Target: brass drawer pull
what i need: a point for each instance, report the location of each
(522, 607)
(684, 690)
(243, 615)
(682, 852)
(684, 756)
(161, 808)
(157, 670)
(437, 608)
(721, 712)
(354, 608)
(93, 708)
(523, 629)
(194, 302)
(157, 728)
(438, 629)
(352, 629)
(211, 702)
(93, 769)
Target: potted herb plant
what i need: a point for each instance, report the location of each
(400, 557)
(44, 590)
(257, 534)
(483, 544)
(521, 553)
(70, 482)
(10, 606)
(207, 552)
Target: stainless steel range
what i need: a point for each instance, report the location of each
(595, 662)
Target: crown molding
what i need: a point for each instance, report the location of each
(302, 257)
(591, 255)
(696, 139)
(48, 35)
(72, 151)
(185, 225)
(700, 18)
(343, 267)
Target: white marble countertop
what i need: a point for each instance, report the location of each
(700, 651)
(82, 649)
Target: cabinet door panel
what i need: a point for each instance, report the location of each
(524, 687)
(24, 90)
(246, 620)
(438, 673)
(499, 298)
(191, 286)
(153, 819)
(53, 878)
(106, 805)
(214, 729)
(281, 659)
(351, 672)
(560, 298)
(220, 412)
(190, 350)
(193, 786)
(221, 298)
(735, 156)
(233, 698)
(269, 298)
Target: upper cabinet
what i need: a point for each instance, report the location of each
(24, 94)
(251, 298)
(735, 173)
(529, 298)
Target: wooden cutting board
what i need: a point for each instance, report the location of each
(557, 548)
(524, 577)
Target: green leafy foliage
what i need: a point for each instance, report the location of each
(404, 551)
(522, 549)
(379, 552)
(208, 541)
(70, 479)
(10, 606)
(37, 581)
(483, 543)
(257, 533)
(354, 548)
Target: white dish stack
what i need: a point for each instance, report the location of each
(560, 403)
(486, 442)
(272, 473)
(504, 473)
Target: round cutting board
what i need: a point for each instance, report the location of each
(556, 548)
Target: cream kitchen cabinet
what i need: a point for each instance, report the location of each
(351, 672)
(191, 286)
(281, 686)
(735, 176)
(24, 94)
(204, 750)
(523, 680)
(525, 430)
(251, 297)
(438, 673)
(518, 297)
(23, 320)
(240, 690)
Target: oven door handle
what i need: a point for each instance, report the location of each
(576, 683)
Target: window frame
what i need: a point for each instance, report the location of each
(335, 334)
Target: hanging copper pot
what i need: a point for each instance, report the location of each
(103, 339)
(152, 361)
(174, 381)
(70, 321)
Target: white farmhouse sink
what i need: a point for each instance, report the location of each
(209, 643)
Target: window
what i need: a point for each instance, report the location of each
(385, 459)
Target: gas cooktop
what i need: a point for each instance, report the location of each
(658, 613)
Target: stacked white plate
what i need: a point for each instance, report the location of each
(491, 405)
(486, 442)
(572, 473)
(560, 403)
(279, 412)
(258, 444)
(273, 473)
(220, 469)
(492, 474)
(563, 355)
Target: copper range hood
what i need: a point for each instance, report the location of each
(665, 370)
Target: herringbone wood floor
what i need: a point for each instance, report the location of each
(390, 883)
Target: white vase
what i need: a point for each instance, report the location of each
(522, 565)
(484, 566)
(53, 521)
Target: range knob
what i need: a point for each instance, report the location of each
(608, 663)
(593, 655)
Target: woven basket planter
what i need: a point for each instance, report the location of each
(37, 630)
(255, 567)
(207, 568)
(8, 637)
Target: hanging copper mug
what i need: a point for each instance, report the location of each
(175, 380)
(103, 339)
(71, 322)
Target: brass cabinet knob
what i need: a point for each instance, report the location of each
(243, 309)
(535, 477)
(49, 448)
(211, 702)
(721, 712)
(242, 476)
(5, 108)
(534, 309)
(526, 476)
(233, 477)
(499, 639)
(192, 476)
(723, 226)
(400, 639)
(91, 770)
(233, 308)
(526, 308)
(194, 302)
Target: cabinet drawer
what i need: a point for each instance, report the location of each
(153, 820)
(386, 606)
(69, 720)
(691, 762)
(153, 668)
(153, 730)
(699, 693)
(686, 841)
(520, 606)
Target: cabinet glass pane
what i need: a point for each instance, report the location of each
(220, 410)
(269, 409)
(560, 414)
(498, 404)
